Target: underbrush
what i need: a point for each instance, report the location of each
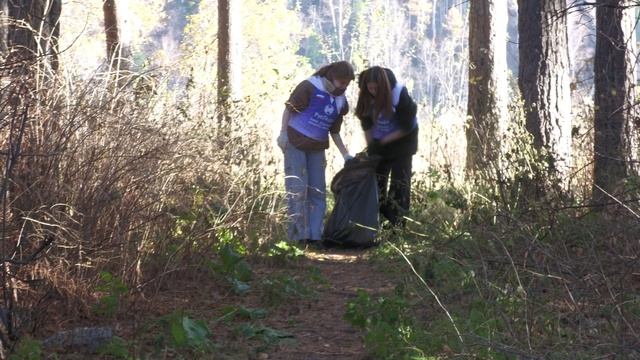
(113, 194)
(488, 283)
(124, 180)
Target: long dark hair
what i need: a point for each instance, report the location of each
(339, 70)
(368, 105)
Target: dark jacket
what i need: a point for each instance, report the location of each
(406, 112)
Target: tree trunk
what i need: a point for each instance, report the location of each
(21, 39)
(488, 86)
(434, 21)
(224, 61)
(337, 19)
(4, 28)
(616, 117)
(33, 32)
(544, 81)
(53, 29)
(235, 50)
(118, 52)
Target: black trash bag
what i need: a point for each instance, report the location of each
(354, 220)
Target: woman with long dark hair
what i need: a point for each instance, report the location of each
(387, 114)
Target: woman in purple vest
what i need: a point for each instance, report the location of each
(314, 111)
(387, 114)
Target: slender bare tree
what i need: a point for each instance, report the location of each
(544, 81)
(616, 114)
(118, 51)
(487, 82)
(4, 27)
(224, 61)
(52, 24)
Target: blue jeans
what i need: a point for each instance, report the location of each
(306, 192)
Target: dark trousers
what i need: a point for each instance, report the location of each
(394, 185)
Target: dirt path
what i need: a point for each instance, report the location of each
(318, 324)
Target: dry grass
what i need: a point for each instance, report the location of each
(118, 179)
(137, 181)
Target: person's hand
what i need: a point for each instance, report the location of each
(347, 158)
(283, 139)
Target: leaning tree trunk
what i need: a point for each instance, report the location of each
(487, 83)
(616, 115)
(544, 82)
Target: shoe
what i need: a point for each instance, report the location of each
(315, 244)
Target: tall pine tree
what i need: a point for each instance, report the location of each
(487, 83)
(616, 115)
(544, 82)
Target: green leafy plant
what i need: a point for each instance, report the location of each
(185, 332)
(279, 288)
(193, 215)
(27, 349)
(117, 348)
(267, 335)
(113, 289)
(231, 312)
(316, 276)
(284, 252)
(450, 275)
(232, 266)
(226, 238)
(390, 332)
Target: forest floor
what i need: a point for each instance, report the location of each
(305, 301)
(294, 309)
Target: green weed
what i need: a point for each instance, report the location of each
(27, 349)
(233, 268)
(284, 252)
(227, 239)
(267, 335)
(316, 276)
(231, 312)
(117, 348)
(390, 331)
(113, 289)
(278, 289)
(185, 333)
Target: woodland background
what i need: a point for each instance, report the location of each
(138, 144)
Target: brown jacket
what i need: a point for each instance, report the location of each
(298, 101)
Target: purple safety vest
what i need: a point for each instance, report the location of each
(385, 125)
(323, 110)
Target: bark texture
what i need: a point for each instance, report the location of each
(224, 61)
(487, 83)
(544, 80)
(118, 52)
(616, 115)
(30, 30)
